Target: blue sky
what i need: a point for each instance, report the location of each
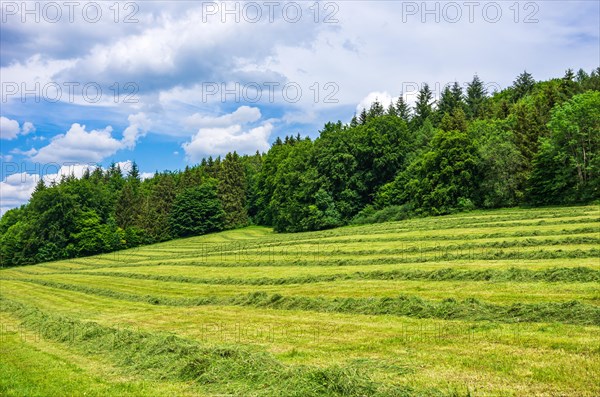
(144, 81)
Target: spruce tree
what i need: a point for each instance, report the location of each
(402, 109)
(391, 110)
(232, 191)
(127, 207)
(569, 86)
(523, 85)
(376, 109)
(39, 186)
(457, 94)
(362, 119)
(447, 102)
(423, 107)
(476, 97)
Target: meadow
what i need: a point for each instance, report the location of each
(486, 303)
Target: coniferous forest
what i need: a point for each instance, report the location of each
(533, 144)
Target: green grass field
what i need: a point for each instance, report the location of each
(495, 303)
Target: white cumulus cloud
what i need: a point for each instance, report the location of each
(10, 129)
(243, 114)
(227, 133)
(226, 139)
(78, 145)
(138, 128)
(383, 97)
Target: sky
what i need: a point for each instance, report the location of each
(166, 83)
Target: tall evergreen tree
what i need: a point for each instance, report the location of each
(569, 86)
(476, 97)
(457, 94)
(523, 85)
(127, 207)
(159, 206)
(363, 117)
(39, 186)
(376, 109)
(232, 191)
(402, 109)
(391, 110)
(424, 106)
(446, 103)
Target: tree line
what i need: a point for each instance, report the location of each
(534, 143)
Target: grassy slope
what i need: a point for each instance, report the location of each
(319, 314)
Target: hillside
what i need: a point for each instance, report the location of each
(503, 302)
(533, 144)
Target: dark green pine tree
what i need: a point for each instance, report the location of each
(39, 186)
(354, 121)
(212, 167)
(476, 97)
(375, 110)
(446, 103)
(569, 75)
(114, 178)
(97, 175)
(568, 85)
(127, 207)
(523, 85)
(458, 94)
(192, 176)
(450, 105)
(162, 197)
(133, 177)
(402, 109)
(423, 107)
(232, 191)
(582, 76)
(363, 117)
(391, 110)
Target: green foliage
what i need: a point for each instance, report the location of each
(534, 143)
(451, 105)
(196, 211)
(423, 107)
(500, 165)
(232, 191)
(523, 85)
(158, 206)
(567, 166)
(402, 109)
(476, 98)
(444, 178)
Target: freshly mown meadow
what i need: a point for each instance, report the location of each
(487, 303)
